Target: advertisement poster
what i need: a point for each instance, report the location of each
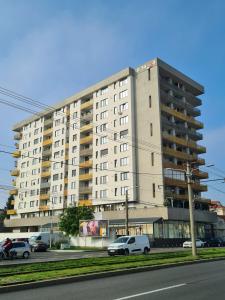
(94, 228)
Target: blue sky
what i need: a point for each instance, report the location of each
(51, 49)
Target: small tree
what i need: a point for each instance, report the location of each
(69, 220)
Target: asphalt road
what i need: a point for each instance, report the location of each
(62, 255)
(194, 282)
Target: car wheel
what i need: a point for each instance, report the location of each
(26, 255)
(145, 251)
(126, 252)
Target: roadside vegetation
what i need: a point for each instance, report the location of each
(51, 270)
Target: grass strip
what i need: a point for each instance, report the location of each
(94, 265)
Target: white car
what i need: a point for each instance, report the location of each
(126, 245)
(20, 249)
(199, 244)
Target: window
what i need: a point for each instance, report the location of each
(31, 203)
(35, 161)
(74, 173)
(104, 91)
(56, 166)
(115, 136)
(57, 122)
(75, 115)
(150, 101)
(115, 98)
(115, 191)
(123, 94)
(74, 161)
(55, 188)
(57, 144)
(124, 176)
(55, 177)
(124, 189)
(73, 185)
(153, 190)
(123, 134)
(151, 129)
(75, 104)
(103, 193)
(124, 147)
(124, 120)
(124, 161)
(123, 106)
(115, 177)
(57, 154)
(104, 152)
(104, 102)
(115, 149)
(74, 149)
(149, 74)
(104, 166)
(115, 163)
(75, 126)
(74, 137)
(122, 82)
(103, 140)
(36, 131)
(152, 158)
(57, 132)
(103, 179)
(104, 114)
(36, 141)
(103, 127)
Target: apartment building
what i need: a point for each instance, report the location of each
(131, 133)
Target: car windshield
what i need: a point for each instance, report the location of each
(33, 238)
(121, 240)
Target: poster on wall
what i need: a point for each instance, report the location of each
(93, 228)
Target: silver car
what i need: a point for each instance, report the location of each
(22, 249)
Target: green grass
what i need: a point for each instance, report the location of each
(60, 269)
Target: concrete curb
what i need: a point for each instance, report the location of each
(73, 279)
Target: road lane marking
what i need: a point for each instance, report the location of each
(151, 292)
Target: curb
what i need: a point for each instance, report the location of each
(92, 276)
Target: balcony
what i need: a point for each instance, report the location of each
(46, 163)
(67, 145)
(15, 172)
(181, 116)
(85, 190)
(85, 202)
(178, 154)
(13, 192)
(18, 136)
(47, 142)
(181, 141)
(47, 152)
(44, 196)
(66, 180)
(16, 154)
(86, 140)
(46, 174)
(45, 185)
(11, 212)
(200, 175)
(200, 161)
(44, 207)
(48, 131)
(86, 105)
(167, 98)
(86, 128)
(65, 193)
(199, 187)
(48, 122)
(86, 164)
(86, 152)
(14, 182)
(12, 202)
(17, 145)
(87, 117)
(174, 182)
(86, 177)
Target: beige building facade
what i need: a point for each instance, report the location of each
(134, 131)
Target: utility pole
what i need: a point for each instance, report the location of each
(126, 213)
(191, 210)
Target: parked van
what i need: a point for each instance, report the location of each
(126, 245)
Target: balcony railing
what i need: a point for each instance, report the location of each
(44, 196)
(44, 207)
(18, 136)
(15, 172)
(85, 190)
(85, 202)
(178, 154)
(46, 174)
(48, 131)
(16, 154)
(86, 164)
(13, 192)
(86, 140)
(11, 212)
(46, 163)
(86, 128)
(86, 177)
(86, 105)
(47, 142)
(86, 152)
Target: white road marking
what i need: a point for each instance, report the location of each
(151, 292)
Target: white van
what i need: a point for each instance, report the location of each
(129, 245)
